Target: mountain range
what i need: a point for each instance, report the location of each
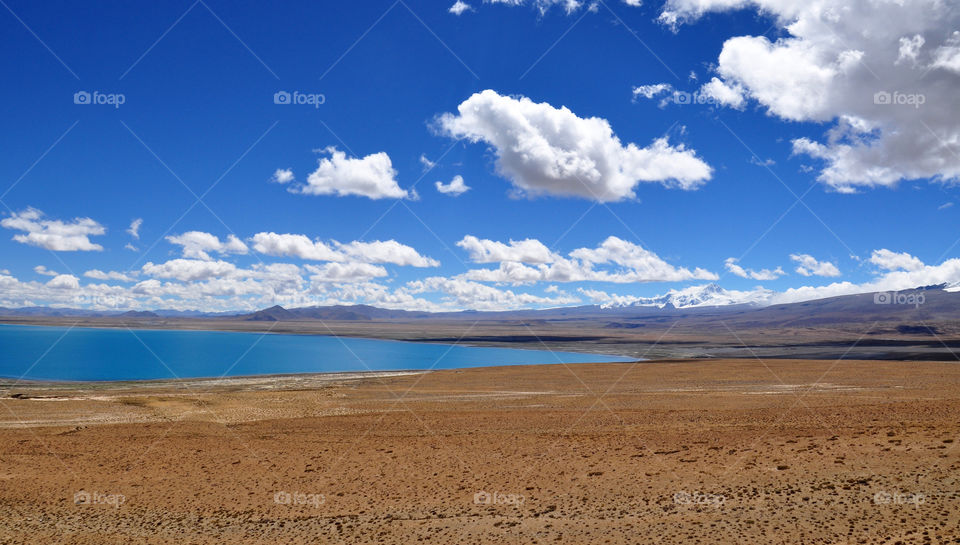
(930, 302)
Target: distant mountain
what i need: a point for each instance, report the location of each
(709, 295)
(139, 314)
(335, 312)
(707, 305)
(275, 313)
(88, 313)
(53, 311)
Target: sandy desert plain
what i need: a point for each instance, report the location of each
(665, 451)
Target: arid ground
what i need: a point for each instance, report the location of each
(697, 451)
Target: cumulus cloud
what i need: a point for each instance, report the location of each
(198, 245)
(763, 274)
(892, 261)
(427, 163)
(219, 285)
(372, 176)
(134, 229)
(544, 150)
(459, 7)
(568, 6)
(807, 265)
(631, 263)
(907, 274)
(642, 263)
(282, 176)
(884, 72)
(189, 270)
(455, 188)
(723, 93)
(378, 251)
(40, 269)
(97, 274)
(465, 293)
(64, 282)
(650, 91)
(345, 272)
(385, 251)
(293, 245)
(522, 251)
(55, 235)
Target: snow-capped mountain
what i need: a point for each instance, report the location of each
(707, 295)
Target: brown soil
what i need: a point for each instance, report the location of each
(722, 451)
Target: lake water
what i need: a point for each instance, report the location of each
(60, 353)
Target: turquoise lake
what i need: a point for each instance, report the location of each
(88, 354)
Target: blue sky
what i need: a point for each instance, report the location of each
(198, 118)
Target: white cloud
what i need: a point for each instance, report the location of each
(522, 251)
(945, 205)
(723, 93)
(294, 246)
(947, 56)
(763, 274)
(885, 72)
(218, 285)
(134, 229)
(455, 188)
(644, 265)
(378, 251)
(632, 263)
(189, 270)
(910, 49)
(569, 6)
(892, 261)
(97, 274)
(385, 251)
(650, 91)
(545, 150)
(282, 176)
(916, 275)
(345, 272)
(54, 235)
(459, 7)
(807, 265)
(130, 247)
(372, 176)
(427, 163)
(474, 295)
(64, 282)
(40, 269)
(198, 244)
